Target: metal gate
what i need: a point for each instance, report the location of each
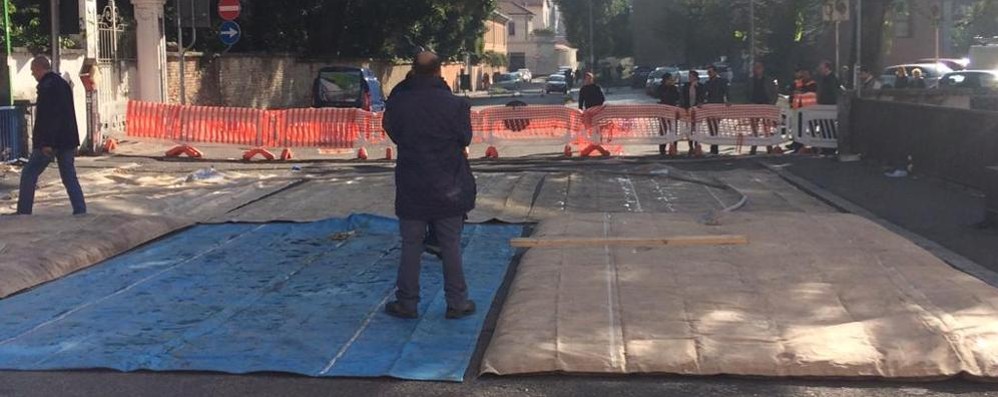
(115, 59)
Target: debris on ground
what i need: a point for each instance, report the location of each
(340, 236)
(206, 175)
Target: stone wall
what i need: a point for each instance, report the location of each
(956, 144)
(276, 81)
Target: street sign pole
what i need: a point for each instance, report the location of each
(54, 4)
(859, 48)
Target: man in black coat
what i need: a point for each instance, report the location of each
(692, 95)
(434, 186)
(668, 95)
(591, 94)
(763, 90)
(717, 92)
(55, 136)
(828, 84)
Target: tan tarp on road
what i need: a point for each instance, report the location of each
(826, 295)
(126, 210)
(36, 249)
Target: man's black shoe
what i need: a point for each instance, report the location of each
(467, 310)
(396, 309)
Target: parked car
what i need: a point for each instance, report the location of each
(930, 71)
(509, 81)
(347, 87)
(953, 63)
(639, 76)
(556, 83)
(976, 79)
(525, 75)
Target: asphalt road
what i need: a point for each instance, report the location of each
(108, 383)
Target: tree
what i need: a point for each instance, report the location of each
(980, 20)
(610, 22)
(364, 28)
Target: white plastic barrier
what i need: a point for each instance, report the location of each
(817, 126)
(739, 125)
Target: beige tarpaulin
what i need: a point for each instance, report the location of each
(126, 209)
(128, 190)
(827, 295)
(41, 248)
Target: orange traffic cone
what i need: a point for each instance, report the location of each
(286, 154)
(568, 150)
(389, 154)
(362, 154)
(492, 152)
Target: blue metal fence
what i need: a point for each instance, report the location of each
(12, 143)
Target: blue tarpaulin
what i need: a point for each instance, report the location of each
(279, 297)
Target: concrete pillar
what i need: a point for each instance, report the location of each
(151, 44)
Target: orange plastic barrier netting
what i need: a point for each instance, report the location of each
(151, 120)
(636, 124)
(527, 125)
(326, 128)
(210, 124)
(755, 125)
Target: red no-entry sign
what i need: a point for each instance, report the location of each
(229, 9)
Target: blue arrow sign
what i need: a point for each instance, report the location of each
(229, 33)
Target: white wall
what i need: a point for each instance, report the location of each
(25, 86)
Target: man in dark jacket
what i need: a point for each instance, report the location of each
(828, 84)
(692, 95)
(434, 185)
(762, 91)
(668, 95)
(717, 92)
(55, 136)
(591, 94)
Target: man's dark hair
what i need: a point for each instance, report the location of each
(827, 64)
(711, 67)
(427, 64)
(865, 69)
(694, 73)
(666, 76)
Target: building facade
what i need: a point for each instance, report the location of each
(534, 40)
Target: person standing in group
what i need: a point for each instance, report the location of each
(569, 79)
(434, 185)
(762, 91)
(828, 85)
(668, 95)
(901, 78)
(717, 92)
(55, 136)
(591, 94)
(692, 95)
(917, 79)
(868, 80)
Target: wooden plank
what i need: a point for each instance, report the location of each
(559, 242)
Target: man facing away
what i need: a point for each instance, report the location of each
(668, 95)
(591, 94)
(434, 186)
(692, 95)
(762, 91)
(828, 84)
(55, 136)
(717, 92)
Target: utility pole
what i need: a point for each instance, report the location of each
(859, 49)
(592, 44)
(54, 5)
(6, 60)
(751, 35)
(180, 52)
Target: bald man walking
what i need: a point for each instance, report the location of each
(55, 137)
(434, 186)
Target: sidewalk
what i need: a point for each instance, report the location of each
(932, 208)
